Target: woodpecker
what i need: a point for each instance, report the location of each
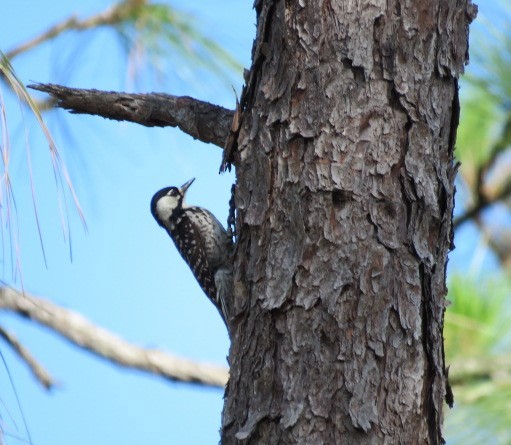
(201, 241)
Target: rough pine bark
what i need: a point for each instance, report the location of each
(345, 195)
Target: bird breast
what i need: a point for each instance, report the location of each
(214, 237)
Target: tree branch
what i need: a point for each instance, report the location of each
(469, 369)
(487, 198)
(482, 203)
(38, 371)
(111, 16)
(201, 120)
(78, 330)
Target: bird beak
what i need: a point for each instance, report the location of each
(185, 186)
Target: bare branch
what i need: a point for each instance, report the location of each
(468, 369)
(482, 203)
(78, 330)
(498, 240)
(111, 16)
(201, 120)
(485, 196)
(38, 371)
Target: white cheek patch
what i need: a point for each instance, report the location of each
(165, 206)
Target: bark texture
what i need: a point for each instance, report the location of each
(345, 196)
(201, 120)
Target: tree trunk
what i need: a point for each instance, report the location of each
(345, 195)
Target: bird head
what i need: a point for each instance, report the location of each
(169, 201)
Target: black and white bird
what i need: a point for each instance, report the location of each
(201, 240)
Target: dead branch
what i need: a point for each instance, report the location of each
(81, 332)
(483, 202)
(467, 369)
(485, 195)
(113, 15)
(41, 375)
(201, 120)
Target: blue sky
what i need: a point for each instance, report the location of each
(125, 275)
